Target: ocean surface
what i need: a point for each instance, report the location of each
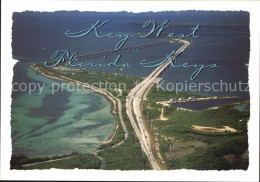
(61, 123)
(67, 121)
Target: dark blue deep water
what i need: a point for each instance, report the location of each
(223, 40)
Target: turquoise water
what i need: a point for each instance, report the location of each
(60, 123)
(242, 107)
(49, 124)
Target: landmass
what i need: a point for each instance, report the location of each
(207, 139)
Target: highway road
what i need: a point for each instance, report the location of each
(133, 108)
(110, 96)
(110, 52)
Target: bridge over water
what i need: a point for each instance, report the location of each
(124, 49)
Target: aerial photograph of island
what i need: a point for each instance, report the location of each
(130, 91)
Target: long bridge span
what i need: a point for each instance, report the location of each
(124, 49)
(133, 106)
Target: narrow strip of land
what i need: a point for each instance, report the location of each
(108, 94)
(133, 106)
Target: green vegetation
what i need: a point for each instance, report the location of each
(211, 156)
(108, 81)
(127, 156)
(245, 155)
(152, 110)
(190, 149)
(181, 121)
(156, 95)
(118, 80)
(18, 160)
(70, 161)
(80, 161)
(193, 149)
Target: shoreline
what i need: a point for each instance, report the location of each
(97, 90)
(113, 134)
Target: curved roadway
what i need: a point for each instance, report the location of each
(133, 106)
